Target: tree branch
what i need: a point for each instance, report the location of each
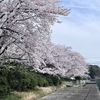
(9, 30)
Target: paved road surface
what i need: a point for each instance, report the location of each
(61, 95)
(88, 92)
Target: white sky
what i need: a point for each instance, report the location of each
(80, 29)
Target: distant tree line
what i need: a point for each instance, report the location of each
(94, 71)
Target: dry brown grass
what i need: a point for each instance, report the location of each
(42, 91)
(46, 90)
(27, 95)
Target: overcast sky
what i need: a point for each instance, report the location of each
(81, 29)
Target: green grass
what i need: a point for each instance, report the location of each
(19, 95)
(11, 97)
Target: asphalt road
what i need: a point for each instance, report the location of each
(88, 92)
(62, 94)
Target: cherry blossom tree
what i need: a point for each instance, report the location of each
(25, 36)
(25, 25)
(68, 63)
(63, 61)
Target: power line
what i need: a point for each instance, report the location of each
(92, 57)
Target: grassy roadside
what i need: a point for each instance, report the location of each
(33, 95)
(12, 96)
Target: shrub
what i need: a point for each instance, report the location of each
(56, 80)
(4, 87)
(45, 83)
(52, 80)
(21, 81)
(78, 78)
(40, 81)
